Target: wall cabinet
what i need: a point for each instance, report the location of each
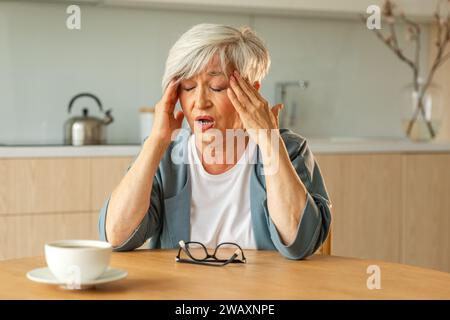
(310, 8)
(392, 207)
(365, 191)
(32, 186)
(25, 235)
(49, 199)
(105, 174)
(426, 223)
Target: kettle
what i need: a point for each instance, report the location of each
(86, 130)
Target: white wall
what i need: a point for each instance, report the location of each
(356, 80)
(119, 55)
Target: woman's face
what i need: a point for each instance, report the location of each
(205, 102)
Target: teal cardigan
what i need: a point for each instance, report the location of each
(168, 218)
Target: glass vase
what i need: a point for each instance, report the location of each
(422, 111)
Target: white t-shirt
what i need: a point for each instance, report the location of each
(220, 203)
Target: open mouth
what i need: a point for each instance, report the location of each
(204, 122)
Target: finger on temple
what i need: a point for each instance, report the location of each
(171, 94)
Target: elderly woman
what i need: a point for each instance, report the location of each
(268, 195)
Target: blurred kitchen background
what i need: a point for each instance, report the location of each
(389, 192)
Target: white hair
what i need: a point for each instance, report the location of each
(239, 48)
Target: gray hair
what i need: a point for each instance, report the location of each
(237, 48)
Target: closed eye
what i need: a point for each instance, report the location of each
(213, 89)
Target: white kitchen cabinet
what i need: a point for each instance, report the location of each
(48, 199)
(392, 207)
(420, 9)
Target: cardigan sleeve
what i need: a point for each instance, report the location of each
(147, 227)
(315, 221)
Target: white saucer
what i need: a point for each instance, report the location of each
(44, 275)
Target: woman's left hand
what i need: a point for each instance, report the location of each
(256, 115)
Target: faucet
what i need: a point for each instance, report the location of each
(280, 95)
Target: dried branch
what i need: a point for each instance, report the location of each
(391, 41)
(444, 58)
(438, 61)
(388, 42)
(417, 31)
(440, 51)
(393, 34)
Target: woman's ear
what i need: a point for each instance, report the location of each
(257, 85)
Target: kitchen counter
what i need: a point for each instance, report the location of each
(362, 145)
(319, 146)
(68, 151)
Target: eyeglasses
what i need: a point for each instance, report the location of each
(198, 254)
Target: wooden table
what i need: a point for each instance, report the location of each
(154, 274)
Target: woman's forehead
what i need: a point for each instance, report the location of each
(210, 72)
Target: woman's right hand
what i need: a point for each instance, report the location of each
(129, 202)
(165, 122)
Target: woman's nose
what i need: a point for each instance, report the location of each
(202, 100)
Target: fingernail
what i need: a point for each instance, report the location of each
(236, 73)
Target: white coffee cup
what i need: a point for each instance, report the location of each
(77, 261)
